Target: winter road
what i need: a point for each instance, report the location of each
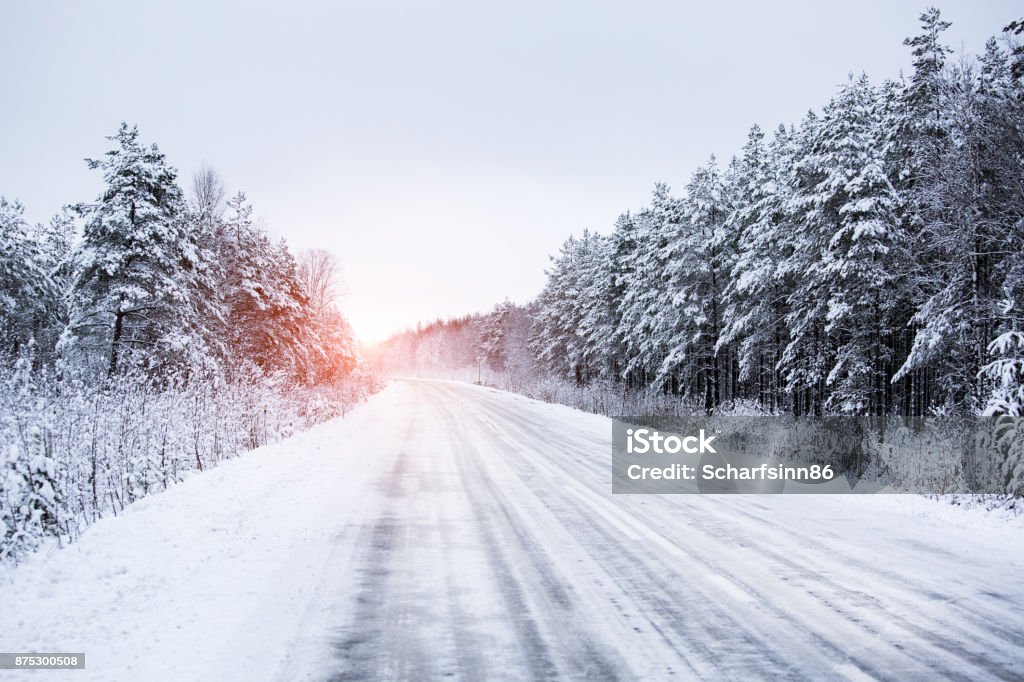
(451, 531)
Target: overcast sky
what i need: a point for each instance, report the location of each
(440, 150)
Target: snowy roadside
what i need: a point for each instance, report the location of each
(164, 590)
(965, 512)
(259, 568)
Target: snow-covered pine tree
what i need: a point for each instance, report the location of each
(854, 212)
(492, 336)
(646, 310)
(56, 241)
(695, 267)
(622, 263)
(595, 333)
(754, 303)
(1006, 403)
(142, 277)
(519, 361)
(30, 304)
(562, 306)
(1012, 31)
(269, 320)
(968, 198)
(809, 355)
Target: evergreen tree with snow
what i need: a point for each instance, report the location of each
(855, 211)
(142, 277)
(646, 309)
(30, 300)
(269, 323)
(1006, 403)
(553, 336)
(492, 349)
(967, 199)
(695, 270)
(755, 296)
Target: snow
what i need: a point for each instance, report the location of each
(172, 587)
(445, 528)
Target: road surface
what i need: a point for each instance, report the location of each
(495, 550)
(448, 531)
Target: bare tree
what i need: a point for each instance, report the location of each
(207, 195)
(319, 273)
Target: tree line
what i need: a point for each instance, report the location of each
(869, 260)
(150, 332)
(160, 285)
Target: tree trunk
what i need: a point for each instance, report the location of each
(115, 345)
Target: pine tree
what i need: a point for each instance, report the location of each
(268, 318)
(1006, 403)
(29, 296)
(141, 274)
(646, 310)
(622, 266)
(758, 286)
(855, 211)
(968, 200)
(492, 336)
(563, 307)
(809, 354)
(595, 333)
(695, 267)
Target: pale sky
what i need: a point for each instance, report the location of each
(440, 150)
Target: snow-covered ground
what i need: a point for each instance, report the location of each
(450, 530)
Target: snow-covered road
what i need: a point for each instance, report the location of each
(446, 530)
